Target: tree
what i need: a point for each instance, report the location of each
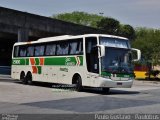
(81, 18)
(148, 41)
(110, 25)
(127, 31)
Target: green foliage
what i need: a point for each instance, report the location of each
(127, 31)
(148, 41)
(81, 18)
(154, 73)
(113, 26)
(110, 25)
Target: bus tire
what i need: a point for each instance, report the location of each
(22, 78)
(105, 90)
(78, 83)
(29, 78)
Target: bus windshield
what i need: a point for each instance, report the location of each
(117, 61)
(117, 57)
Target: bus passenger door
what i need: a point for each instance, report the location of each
(92, 60)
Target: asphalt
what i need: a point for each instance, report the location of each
(48, 101)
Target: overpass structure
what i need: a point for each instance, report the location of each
(22, 26)
(30, 25)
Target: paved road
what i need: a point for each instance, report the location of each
(16, 98)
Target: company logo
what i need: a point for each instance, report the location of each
(68, 59)
(36, 64)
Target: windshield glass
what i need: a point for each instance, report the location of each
(117, 57)
(117, 61)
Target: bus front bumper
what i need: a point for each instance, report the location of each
(116, 84)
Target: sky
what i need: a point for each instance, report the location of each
(138, 13)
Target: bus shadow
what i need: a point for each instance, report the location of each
(111, 92)
(64, 87)
(38, 84)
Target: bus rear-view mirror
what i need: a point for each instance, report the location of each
(136, 54)
(102, 50)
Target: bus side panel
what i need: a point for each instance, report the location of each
(17, 69)
(14, 72)
(65, 74)
(50, 73)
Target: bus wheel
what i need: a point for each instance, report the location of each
(105, 90)
(29, 78)
(22, 78)
(78, 83)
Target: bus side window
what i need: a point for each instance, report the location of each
(76, 47)
(62, 48)
(16, 51)
(79, 48)
(50, 49)
(22, 51)
(73, 48)
(39, 50)
(30, 51)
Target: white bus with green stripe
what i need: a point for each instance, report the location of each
(92, 60)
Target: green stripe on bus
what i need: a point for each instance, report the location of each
(27, 61)
(68, 61)
(54, 61)
(81, 59)
(125, 75)
(122, 75)
(106, 74)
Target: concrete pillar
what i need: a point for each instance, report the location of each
(23, 35)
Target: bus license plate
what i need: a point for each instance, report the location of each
(119, 83)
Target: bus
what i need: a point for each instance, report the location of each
(90, 60)
(142, 70)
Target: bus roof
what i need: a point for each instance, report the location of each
(66, 37)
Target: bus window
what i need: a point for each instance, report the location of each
(16, 51)
(76, 48)
(62, 48)
(50, 49)
(30, 51)
(73, 47)
(39, 50)
(22, 52)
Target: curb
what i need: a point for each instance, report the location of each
(148, 83)
(5, 76)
